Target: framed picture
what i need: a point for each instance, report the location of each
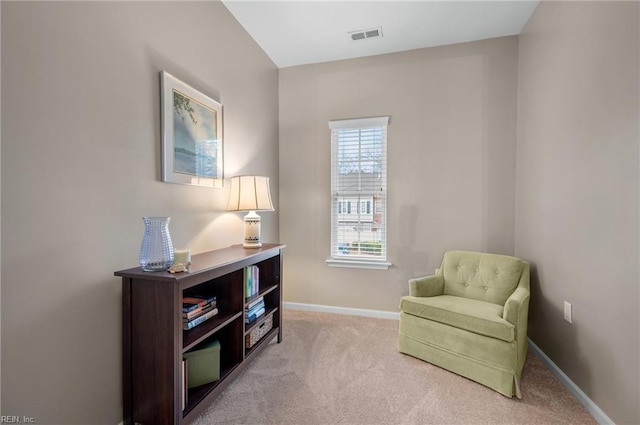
(191, 135)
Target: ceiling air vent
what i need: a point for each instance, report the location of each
(365, 34)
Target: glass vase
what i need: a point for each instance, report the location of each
(156, 252)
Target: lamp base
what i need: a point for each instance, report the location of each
(252, 245)
(252, 230)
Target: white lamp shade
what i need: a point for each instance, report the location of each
(250, 193)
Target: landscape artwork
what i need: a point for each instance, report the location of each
(192, 135)
(195, 146)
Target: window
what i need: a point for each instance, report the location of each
(359, 193)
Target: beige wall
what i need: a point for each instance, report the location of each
(577, 194)
(81, 166)
(451, 163)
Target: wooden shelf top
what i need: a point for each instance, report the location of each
(204, 262)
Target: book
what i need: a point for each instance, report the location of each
(200, 319)
(255, 308)
(251, 317)
(255, 302)
(251, 281)
(187, 317)
(247, 282)
(199, 310)
(255, 280)
(184, 383)
(191, 303)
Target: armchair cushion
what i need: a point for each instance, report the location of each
(479, 317)
(480, 276)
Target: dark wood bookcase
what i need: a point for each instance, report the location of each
(154, 341)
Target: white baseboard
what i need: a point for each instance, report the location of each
(593, 408)
(342, 310)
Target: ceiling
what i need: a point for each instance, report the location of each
(298, 32)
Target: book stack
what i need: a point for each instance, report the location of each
(254, 310)
(251, 281)
(196, 310)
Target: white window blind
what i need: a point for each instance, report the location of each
(359, 192)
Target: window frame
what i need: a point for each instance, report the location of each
(364, 262)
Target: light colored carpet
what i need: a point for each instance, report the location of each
(336, 369)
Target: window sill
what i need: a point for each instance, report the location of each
(358, 264)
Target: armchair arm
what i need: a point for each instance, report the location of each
(514, 305)
(426, 286)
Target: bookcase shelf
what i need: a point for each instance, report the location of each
(154, 342)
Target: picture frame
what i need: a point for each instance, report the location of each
(192, 136)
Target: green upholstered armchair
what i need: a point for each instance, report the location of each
(470, 318)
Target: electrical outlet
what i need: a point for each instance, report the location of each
(567, 312)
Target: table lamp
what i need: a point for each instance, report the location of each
(250, 193)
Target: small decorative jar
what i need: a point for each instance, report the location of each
(156, 252)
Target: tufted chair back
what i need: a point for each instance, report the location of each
(480, 276)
